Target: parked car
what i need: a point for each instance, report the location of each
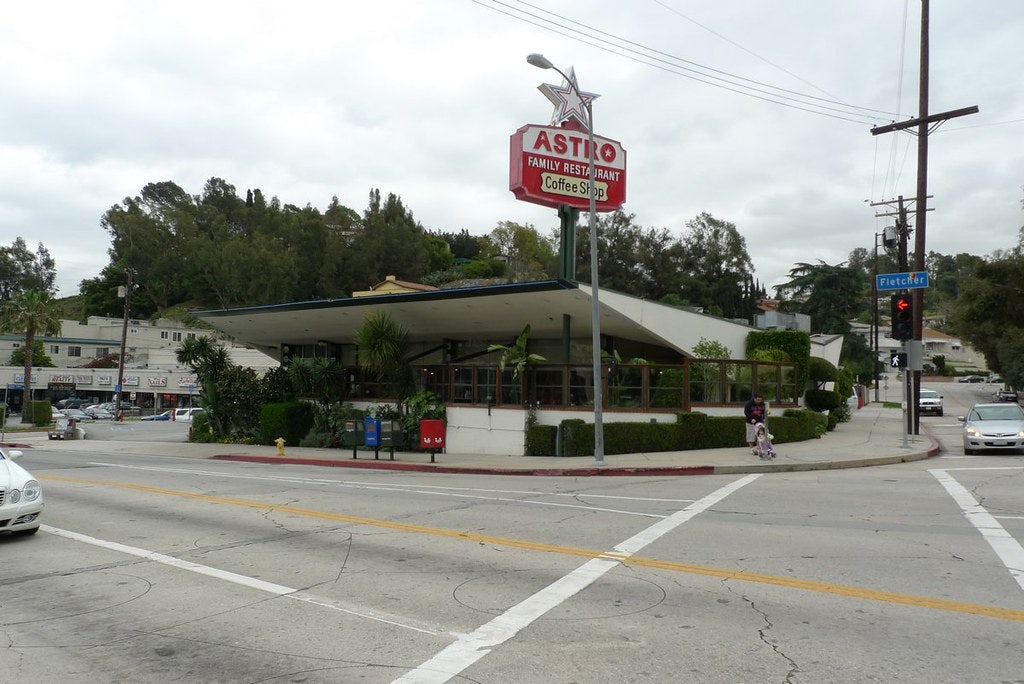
(77, 414)
(971, 378)
(166, 415)
(21, 497)
(72, 404)
(998, 427)
(186, 414)
(1007, 394)
(929, 401)
(99, 414)
(995, 378)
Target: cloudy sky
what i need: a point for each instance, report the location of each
(310, 99)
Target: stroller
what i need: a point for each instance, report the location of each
(763, 446)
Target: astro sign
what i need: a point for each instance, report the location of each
(549, 166)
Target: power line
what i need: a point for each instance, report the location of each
(664, 61)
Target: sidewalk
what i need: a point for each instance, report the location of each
(874, 436)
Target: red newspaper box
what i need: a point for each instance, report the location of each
(432, 435)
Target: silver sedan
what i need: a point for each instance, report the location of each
(996, 427)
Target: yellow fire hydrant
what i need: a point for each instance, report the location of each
(280, 446)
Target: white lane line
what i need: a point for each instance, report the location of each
(459, 493)
(368, 483)
(227, 576)
(1006, 547)
(470, 648)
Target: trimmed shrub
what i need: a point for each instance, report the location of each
(42, 412)
(822, 400)
(289, 419)
(693, 430)
(577, 437)
(540, 440)
(822, 371)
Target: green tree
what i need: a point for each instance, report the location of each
(31, 312)
(989, 313)
(40, 359)
(830, 295)
(527, 255)
(463, 245)
(22, 270)
(210, 363)
(319, 378)
(516, 355)
(389, 242)
(383, 346)
(718, 266)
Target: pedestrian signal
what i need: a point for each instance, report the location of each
(901, 310)
(898, 360)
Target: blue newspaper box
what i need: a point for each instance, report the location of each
(371, 428)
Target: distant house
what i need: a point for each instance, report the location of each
(392, 285)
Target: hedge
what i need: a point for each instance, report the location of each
(290, 420)
(690, 431)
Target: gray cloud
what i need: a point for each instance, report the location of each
(318, 99)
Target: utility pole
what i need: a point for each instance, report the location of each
(923, 123)
(902, 265)
(124, 341)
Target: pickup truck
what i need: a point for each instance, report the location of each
(929, 401)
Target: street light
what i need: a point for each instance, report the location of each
(543, 62)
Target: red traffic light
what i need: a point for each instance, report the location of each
(902, 313)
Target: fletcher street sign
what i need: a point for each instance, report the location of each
(901, 281)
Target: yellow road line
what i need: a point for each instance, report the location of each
(807, 585)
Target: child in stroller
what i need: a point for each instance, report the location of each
(763, 446)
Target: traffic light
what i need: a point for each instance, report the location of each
(901, 310)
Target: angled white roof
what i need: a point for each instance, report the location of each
(494, 311)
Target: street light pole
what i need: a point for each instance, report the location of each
(542, 62)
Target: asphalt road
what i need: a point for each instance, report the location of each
(156, 569)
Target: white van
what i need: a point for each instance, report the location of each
(186, 413)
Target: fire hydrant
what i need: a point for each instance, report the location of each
(280, 446)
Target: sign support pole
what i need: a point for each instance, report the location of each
(907, 415)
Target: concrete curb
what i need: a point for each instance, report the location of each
(474, 470)
(595, 471)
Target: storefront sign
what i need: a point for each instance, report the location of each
(157, 382)
(104, 379)
(83, 380)
(550, 166)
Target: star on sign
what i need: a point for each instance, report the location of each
(568, 105)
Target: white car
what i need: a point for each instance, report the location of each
(21, 497)
(186, 414)
(930, 402)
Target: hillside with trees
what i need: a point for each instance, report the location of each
(218, 249)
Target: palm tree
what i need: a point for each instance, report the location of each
(516, 355)
(32, 311)
(209, 360)
(319, 378)
(383, 346)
